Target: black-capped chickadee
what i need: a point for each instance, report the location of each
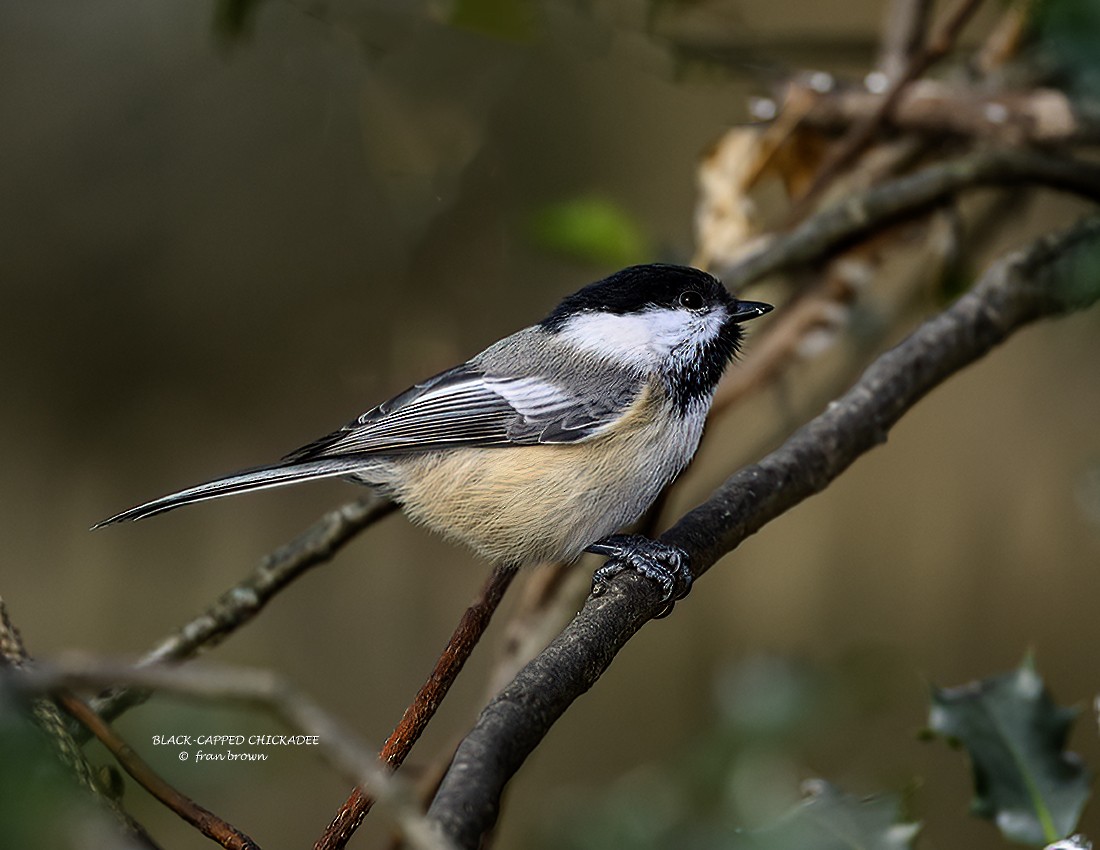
(546, 443)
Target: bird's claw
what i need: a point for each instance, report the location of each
(669, 566)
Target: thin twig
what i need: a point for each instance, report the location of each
(824, 307)
(1033, 116)
(415, 720)
(845, 222)
(1006, 37)
(860, 135)
(547, 600)
(238, 605)
(538, 615)
(15, 657)
(1053, 276)
(839, 226)
(335, 743)
(902, 34)
(208, 823)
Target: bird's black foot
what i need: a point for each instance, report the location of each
(669, 566)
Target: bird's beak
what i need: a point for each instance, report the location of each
(742, 311)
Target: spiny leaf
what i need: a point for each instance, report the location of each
(1015, 735)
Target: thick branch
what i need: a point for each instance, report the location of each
(817, 237)
(1053, 276)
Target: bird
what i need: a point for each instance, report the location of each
(549, 441)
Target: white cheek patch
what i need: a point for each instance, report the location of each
(613, 337)
(643, 339)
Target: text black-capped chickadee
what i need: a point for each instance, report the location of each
(552, 439)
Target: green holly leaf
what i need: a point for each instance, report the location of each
(829, 819)
(1015, 735)
(1066, 33)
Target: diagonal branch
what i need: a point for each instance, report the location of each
(862, 133)
(903, 31)
(845, 222)
(1053, 276)
(204, 820)
(420, 712)
(47, 716)
(336, 743)
(936, 109)
(238, 605)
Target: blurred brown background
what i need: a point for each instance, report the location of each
(214, 249)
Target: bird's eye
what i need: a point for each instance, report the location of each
(691, 300)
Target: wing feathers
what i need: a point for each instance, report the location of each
(461, 407)
(251, 479)
(466, 407)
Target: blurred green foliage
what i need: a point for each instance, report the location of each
(829, 819)
(590, 229)
(738, 787)
(41, 804)
(1068, 33)
(826, 819)
(1015, 735)
(1078, 282)
(513, 20)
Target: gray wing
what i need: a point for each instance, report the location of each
(467, 406)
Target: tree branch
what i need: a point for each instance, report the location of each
(1055, 275)
(940, 42)
(419, 713)
(847, 221)
(204, 820)
(903, 28)
(15, 658)
(238, 605)
(335, 742)
(1037, 116)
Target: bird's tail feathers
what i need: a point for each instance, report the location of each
(259, 478)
